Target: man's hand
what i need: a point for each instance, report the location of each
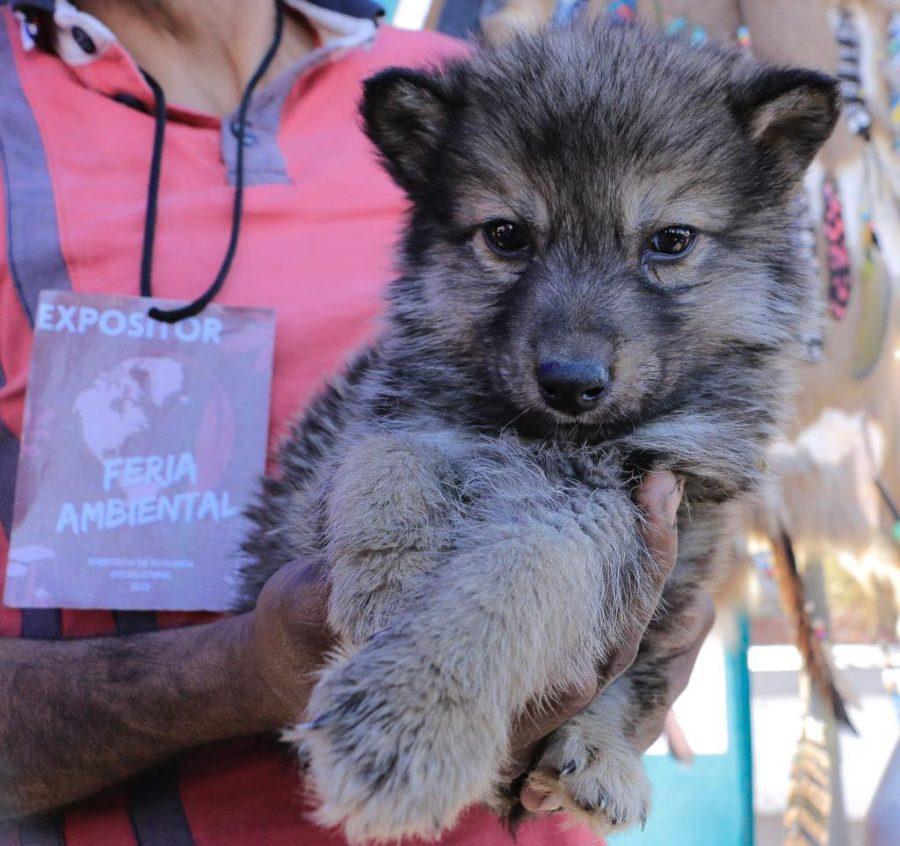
(83, 715)
(659, 495)
(289, 636)
(79, 716)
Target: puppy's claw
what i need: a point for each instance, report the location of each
(606, 785)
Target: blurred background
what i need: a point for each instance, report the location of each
(758, 749)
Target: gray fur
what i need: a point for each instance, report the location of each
(482, 548)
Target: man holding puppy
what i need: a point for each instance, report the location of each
(104, 708)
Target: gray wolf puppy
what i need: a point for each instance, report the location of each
(599, 275)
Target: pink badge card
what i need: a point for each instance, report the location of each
(143, 443)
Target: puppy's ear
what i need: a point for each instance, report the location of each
(405, 114)
(789, 112)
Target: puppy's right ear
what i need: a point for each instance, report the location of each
(406, 114)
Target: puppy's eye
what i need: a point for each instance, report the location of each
(506, 238)
(671, 242)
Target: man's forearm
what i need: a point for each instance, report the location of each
(79, 716)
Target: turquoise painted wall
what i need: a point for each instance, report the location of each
(389, 6)
(709, 803)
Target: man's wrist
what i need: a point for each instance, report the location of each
(147, 696)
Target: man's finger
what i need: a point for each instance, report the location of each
(659, 496)
(300, 590)
(539, 720)
(293, 606)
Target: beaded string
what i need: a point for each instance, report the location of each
(623, 11)
(568, 10)
(681, 27)
(856, 111)
(839, 277)
(813, 339)
(892, 72)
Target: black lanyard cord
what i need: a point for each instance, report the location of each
(159, 134)
(204, 299)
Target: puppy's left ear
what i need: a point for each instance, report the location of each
(789, 113)
(406, 114)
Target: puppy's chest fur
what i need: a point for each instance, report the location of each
(476, 476)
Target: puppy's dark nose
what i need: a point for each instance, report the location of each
(572, 387)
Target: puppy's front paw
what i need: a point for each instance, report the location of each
(389, 756)
(605, 787)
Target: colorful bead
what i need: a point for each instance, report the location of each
(676, 25)
(623, 10)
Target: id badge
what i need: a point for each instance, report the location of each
(143, 443)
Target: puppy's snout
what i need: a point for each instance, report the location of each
(573, 387)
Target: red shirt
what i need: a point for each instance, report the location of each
(319, 223)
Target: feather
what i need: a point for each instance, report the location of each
(793, 598)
